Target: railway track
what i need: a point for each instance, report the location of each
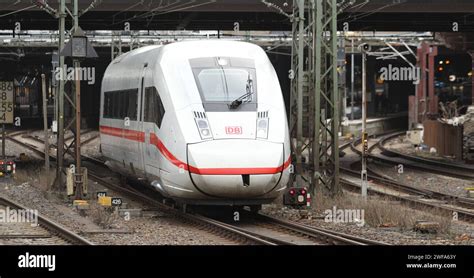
(208, 224)
(276, 231)
(284, 232)
(47, 232)
(411, 194)
(264, 230)
(385, 155)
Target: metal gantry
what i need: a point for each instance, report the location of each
(315, 96)
(117, 43)
(300, 74)
(60, 101)
(69, 112)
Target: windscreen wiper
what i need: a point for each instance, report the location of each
(237, 102)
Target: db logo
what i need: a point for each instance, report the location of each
(233, 130)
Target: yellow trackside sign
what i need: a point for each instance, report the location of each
(105, 201)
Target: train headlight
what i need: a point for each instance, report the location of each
(205, 132)
(262, 128)
(202, 124)
(204, 129)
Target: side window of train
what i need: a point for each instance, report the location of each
(154, 109)
(132, 111)
(121, 104)
(107, 104)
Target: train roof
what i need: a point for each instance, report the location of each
(194, 46)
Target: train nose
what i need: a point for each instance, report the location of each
(236, 168)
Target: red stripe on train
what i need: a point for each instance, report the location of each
(240, 171)
(123, 133)
(154, 140)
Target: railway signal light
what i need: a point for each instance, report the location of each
(365, 47)
(297, 197)
(365, 143)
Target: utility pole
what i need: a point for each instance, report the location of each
(45, 127)
(79, 178)
(4, 135)
(78, 48)
(54, 83)
(299, 99)
(327, 98)
(352, 78)
(364, 126)
(77, 64)
(471, 53)
(60, 99)
(314, 124)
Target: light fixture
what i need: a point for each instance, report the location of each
(222, 62)
(79, 46)
(204, 128)
(262, 128)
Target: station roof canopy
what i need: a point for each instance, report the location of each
(250, 5)
(368, 15)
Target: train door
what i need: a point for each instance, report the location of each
(152, 119)
(144, 142)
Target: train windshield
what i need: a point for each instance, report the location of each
(222, 81)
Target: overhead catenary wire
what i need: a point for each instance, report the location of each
(43, 5)
(17, 11)
(179, 7)
(92, 5)
(145, 14)
(186, 8)
(141, 2)
(352, 18)
(13, 4)
(278, 8)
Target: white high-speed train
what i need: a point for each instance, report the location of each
(203, 122)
